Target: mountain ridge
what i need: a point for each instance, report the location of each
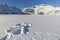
(42, 9)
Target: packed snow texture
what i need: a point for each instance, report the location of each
(22, 29)
(33, 36)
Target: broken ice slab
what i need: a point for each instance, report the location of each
(14, 30)
(26, 27)
(27, 24)
(9, 29)
(4, 38)
(21, 28)
(59, 39)
(18, 24)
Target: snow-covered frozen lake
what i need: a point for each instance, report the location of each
(39, 23)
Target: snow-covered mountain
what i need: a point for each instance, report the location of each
(28, 11)
(5, 9)
(46, 9)
(43, 9)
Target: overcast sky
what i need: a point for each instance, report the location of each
(29, 3)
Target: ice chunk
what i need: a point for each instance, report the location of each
(22, 28)
(4, 38)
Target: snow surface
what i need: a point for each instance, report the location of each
(44, 28)
(41, 27)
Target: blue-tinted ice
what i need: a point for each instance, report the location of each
(17, 30)
(4, 38)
